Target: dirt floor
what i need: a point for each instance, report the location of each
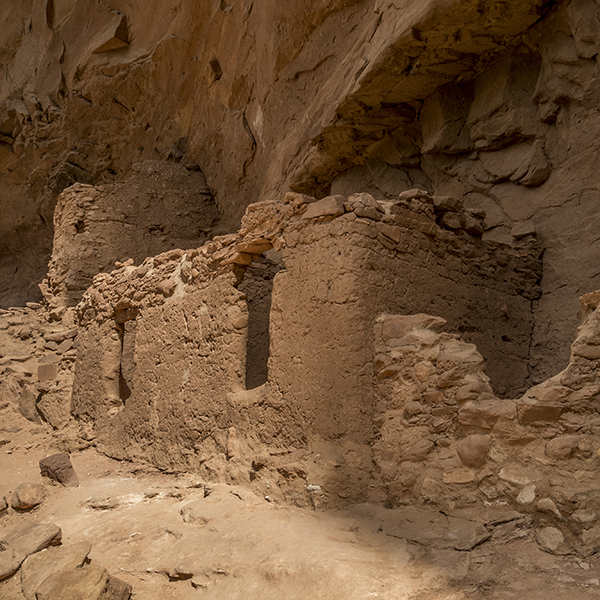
(173, 536)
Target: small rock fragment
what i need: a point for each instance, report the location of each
(28, 495)
(527, 495)
(28, 405)
(331, 206)
(10, 560)
(468, 536)
(59, 468)
(547, 505)
(47, 372)
(549, 538)
(562, 447)
(473, 450)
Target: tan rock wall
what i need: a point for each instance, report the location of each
(164, 352)
(246, 91)
(161, 206)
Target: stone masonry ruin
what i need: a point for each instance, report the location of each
(335, 254)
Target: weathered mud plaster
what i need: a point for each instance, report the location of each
(160, 206)
(156, 390)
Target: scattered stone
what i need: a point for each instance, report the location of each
(515, 475)
(59, 468)
(591, 537)
(103, 503)
(585, 517)
(28, 495)
(90, 582)
(3, 506)
(414, 194)
(28, 405)
(534, 414)
(526, 495)
(468, 536)
(29, 538)
(547, 505)
(460, 476)
(331, 206)
(473, 450)
(549, 539)
(419, 451)
(484, 414)
(443, 204)
(42, 565)
(10, 560)
(562, 447)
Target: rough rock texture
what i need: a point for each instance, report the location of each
(29, 538)
(445, 438)
(91, 582)
(160, 207)
(161, 345)
(28, 495)
(37, 356)
(42, 565)
(10, 560)
(59, 468)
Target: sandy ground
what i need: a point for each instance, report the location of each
(173, 536)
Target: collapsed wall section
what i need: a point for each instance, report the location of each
(442, 437)
(161, 206)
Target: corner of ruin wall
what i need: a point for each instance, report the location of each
(169, 354)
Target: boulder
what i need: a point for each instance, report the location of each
(59, 468)
(38, 567)
(90, 582)
(29, 538)
(28, 495)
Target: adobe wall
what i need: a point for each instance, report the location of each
(163, 347)
(160, 346)
(160, 206)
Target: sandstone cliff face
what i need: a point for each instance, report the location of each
(239, 89)
(491, 102)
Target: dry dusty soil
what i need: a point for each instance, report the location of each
(173, 536)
